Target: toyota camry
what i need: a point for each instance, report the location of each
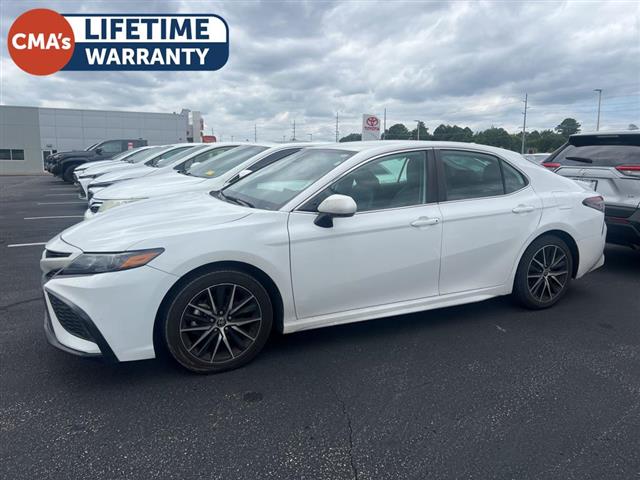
(326, 236)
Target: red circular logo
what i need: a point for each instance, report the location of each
(41, 41)
(372, 121)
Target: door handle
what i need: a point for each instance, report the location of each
(523, 209)
(425, 222)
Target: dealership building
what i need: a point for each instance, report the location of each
(29, 134)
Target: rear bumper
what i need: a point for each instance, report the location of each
(623, 225)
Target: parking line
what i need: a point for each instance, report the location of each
(26, 244)
(61, 203)
(54, 216)
(59, 194)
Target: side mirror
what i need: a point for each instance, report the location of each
(99, 151)
(335, 206)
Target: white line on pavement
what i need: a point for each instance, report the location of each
(54, 216)
(59, 194)
(26, 244)
(60, 203)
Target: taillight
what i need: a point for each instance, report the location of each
(629, 170)
(594, 202)
(551, 165)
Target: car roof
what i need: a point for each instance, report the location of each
(604, 133)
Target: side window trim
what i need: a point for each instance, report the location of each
(442, 186)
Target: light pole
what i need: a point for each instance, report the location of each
(310, 137)
(417, 130)
(599, 90)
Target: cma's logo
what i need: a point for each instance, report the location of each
(42, 42)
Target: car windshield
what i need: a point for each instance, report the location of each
(276, 184)
(91, 147)
(172, 154)
(143, 155)
(224, 162)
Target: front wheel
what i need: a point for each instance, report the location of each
(219, 321)
(544, 273)
(67, 174)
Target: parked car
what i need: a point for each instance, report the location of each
(89, 174)
(536, 158)
(157, 164)
(609, 162)
(210, 170)
(329, 235)
(62, 164)
(121, 157)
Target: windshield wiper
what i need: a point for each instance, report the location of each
(579, 159)
(235, 200)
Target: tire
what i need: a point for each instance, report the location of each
(67, 174)
(211, 340)
(544, 273)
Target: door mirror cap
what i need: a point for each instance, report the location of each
(244, 173)
(335, 206)
(99, 151)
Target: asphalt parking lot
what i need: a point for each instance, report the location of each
(478, 391)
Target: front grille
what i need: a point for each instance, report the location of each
(89, 194)
(69, 319)
(53, 254)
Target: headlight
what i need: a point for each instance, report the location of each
(86, 176)
(100, 184)
(92, 263)
(108, 204)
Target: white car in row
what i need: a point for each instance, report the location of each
(115, 160)
(162, 162)
(89, 175)
(209, 171)
(326, 236)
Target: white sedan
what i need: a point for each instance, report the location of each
(326, 236)
(209, 170)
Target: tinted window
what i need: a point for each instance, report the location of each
(600, 155)
(389, 182)
(278, 183)
(513, 179)
(17, 154)
(114, 146)
(5, 154)
(471, 175)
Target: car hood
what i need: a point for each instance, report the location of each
(76, 154)
(158, 185)
(122, 227)
(134, 171)
(114, 167)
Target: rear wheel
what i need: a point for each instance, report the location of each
(544, 273)
(218, 321)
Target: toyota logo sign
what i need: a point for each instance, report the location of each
(372, 122)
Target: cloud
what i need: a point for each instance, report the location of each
(468, 63)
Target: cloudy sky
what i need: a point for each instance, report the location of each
(460, 62)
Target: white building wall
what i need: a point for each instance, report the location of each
(36, 130)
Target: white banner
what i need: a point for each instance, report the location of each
(370, 127)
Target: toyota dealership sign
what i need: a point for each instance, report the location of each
(370, 127)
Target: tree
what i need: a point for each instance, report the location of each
(352, 137)
(424, 132)
(497, 137)
(453, 133)
(397, 132)
(632, 126)
(567, 127)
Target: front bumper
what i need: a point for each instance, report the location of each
(93, 345)
(623, 225)
(108, 315)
